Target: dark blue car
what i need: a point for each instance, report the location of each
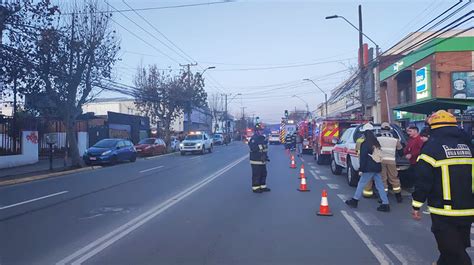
(110, 151)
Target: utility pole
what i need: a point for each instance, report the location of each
(226, 130)
(361, 63)
(188, 71)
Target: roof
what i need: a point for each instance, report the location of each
(104, 100)
(434, 104)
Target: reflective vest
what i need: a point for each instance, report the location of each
(445, 172)
(389, 147)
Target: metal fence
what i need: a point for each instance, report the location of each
(10, 134)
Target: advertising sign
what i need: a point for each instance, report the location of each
(423, 83)
(462, 84)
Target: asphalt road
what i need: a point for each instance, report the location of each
(200, 210)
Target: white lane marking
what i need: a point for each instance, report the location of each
(323, 177)
(406, 255)
(33, 200)
(333, 186)
(314, 175)
(194, 157)
(317, 171)
(160, 156)
(472, 230)
(313, 167)
(376, 251)
(344, 197)
(150, 169)
(302, 159)
(368, 218)
(115, 235)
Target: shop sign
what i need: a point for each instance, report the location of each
(423, 83)
(462, 84)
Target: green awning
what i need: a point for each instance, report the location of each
(434, 104)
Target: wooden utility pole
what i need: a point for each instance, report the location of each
(361, 64)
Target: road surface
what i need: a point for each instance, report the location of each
(199, 209)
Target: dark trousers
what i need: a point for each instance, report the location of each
(259, 175)
(408, 177)
(453, 237)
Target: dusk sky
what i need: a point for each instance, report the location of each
(262, 49)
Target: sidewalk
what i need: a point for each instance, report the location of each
(34, 169)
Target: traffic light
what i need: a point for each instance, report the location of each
(286, 113)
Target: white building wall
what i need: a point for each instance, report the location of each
(29, 152)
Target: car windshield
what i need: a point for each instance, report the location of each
(106, 143)
(194, 137)
(217, 136)
(147, 141)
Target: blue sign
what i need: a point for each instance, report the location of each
(421, 80)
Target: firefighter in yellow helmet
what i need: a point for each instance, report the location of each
(445, 172)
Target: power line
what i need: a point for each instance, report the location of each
(158, 8)
(283, 67)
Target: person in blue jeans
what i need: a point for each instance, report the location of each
(370, 169)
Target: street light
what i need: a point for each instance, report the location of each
(226, 103)
(307, 107)
(208, 68)
(325, 95)
(337, 16)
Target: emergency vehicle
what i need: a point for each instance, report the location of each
(345, 155)
(306, 131)
(274, 137)
(325, 130)
(247, 135)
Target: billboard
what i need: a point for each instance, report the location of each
(462, 84)
(423, 83)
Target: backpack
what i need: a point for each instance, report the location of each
(376, 155)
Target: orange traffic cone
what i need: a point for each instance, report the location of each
(324, 207)
(303, 185)
(292, 165)
(302, 176)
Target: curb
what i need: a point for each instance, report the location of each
(45, 176)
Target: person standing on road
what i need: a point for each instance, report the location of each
(411, 152)
(299, 144)
(258, 160)
(389, 146)
(370, 168)
(445, 172)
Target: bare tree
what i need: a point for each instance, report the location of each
(72, 57)
(216, 107)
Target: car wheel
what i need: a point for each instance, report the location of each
(113, 160)
(352, 175)
(203, 150)
(134, 158)
(210, 149)
(319, 159)
(335, 168)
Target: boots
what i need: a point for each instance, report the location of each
(352, 203)
(383, 208)
(398, 196)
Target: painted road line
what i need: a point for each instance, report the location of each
(344, 197)
(98, 245)
(376, 251)
(368, 218)
(472, 230)
(314, 175)
(150, 169)
(405, 254)
(333, 186)
(317, 171)
(323, 177)
(33, 200)
(313, 167)
(160, 156)
(196, 157)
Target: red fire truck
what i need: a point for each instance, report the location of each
(324, 131)
(306, 130)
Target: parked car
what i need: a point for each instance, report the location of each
(174, 144)
(345, 156)
(274, 138)
(218, 139)
(196, 142)
(110, 151)
(151, 146)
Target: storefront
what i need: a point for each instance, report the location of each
(442, 68)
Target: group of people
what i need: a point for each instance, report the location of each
(441, 171)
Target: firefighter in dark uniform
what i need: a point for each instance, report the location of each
(445, 171)
(258, 160)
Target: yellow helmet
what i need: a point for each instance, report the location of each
(441, 118)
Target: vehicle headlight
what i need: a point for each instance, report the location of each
(106, 153)
(148, 147)
(181, 145)
(198, 145)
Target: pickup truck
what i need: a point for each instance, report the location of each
(345, 156)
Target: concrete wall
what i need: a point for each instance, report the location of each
(29, 152)
(82, 142)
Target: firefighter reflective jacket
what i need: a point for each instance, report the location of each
(258, 150)
(445, 172)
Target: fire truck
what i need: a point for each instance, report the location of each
(325, 130)
(306, 130)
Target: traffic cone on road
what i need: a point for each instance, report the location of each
(303, 186)
(292, 164)
(302, 176)
(324, 207)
